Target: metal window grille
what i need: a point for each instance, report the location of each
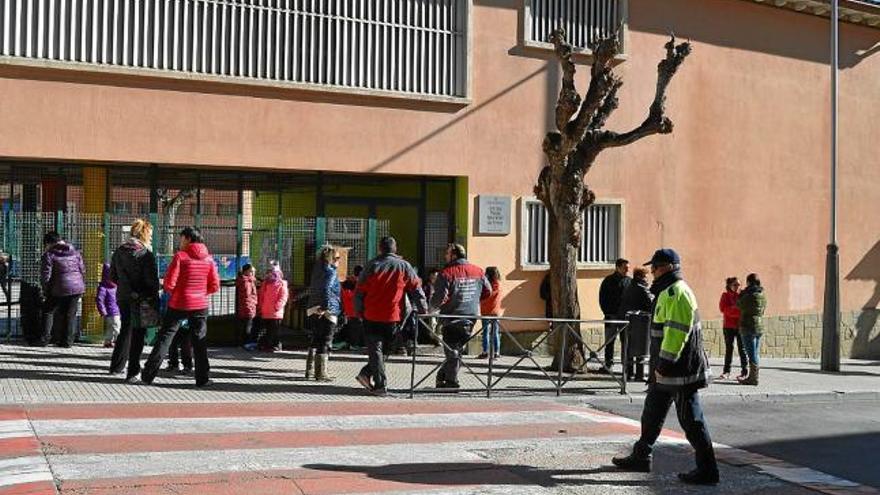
(407, 46)
(600, 243)
(584, 21)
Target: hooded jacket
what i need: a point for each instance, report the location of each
(324, 290)
(246, 287)
(62, 271)
(273, 296)
(134, 270)
(105, 299)
(751, 304)
(191, 278)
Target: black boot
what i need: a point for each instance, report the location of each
(698, 477)
(633, 463)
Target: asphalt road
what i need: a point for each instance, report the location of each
(838, 437)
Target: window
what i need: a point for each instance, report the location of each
(584, 21)
(121, 207)
(143, 208)
(401, 46)
(600, 242)
(227, 210)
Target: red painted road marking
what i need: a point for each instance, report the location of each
(35, 488)
(232, 410)
(108, 444)
(18, 447)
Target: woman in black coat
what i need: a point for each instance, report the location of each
(637, 297)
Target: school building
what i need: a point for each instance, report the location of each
(278, 125)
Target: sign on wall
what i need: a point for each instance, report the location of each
(494, 215)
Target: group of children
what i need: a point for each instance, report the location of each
(265, 302)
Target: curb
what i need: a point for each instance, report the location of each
(806, 396)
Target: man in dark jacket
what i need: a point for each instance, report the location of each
(191, 278)
(379, 295)
(610, 293)
(62, 275)
(635, 307)
(682, 369)
(458, 291)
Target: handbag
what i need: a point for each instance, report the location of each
(145, 313)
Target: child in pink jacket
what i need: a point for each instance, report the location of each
(273, 297)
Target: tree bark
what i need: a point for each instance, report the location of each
(571, 151)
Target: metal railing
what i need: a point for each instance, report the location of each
(558, 376)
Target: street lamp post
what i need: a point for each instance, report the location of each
(831, 313)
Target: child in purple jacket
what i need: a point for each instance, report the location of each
(105, 301)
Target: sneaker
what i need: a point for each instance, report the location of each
(365, 382)
(697, 477)
(250, 346)
(724, 376)
(483, 356)
(452, 385)
(135, 380)
(205, 384)
(186, 371)
(497, 355)
(108, 344)
(379, 392)
(633, 463)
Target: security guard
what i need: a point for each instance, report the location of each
(680, 370)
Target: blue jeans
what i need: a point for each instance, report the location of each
(490, 331)
(752, 345)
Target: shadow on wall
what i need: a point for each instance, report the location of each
(866, 344)
(771, 31)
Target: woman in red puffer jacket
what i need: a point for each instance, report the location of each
(728, 308)
(246, 304)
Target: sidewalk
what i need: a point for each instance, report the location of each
(79, 374)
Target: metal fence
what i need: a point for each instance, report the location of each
(523, 371)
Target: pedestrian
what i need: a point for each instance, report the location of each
(458, 291)
(681, 370)
(491, 306)
(752, 303)
(610, 293)
(731, 315)
(5, 276)
(62, 276)
(323, 312)
(386, 282)
(272, 300)
(430, 323)
(246, 304)
(546, 294)
(181, 351)
(108, 307)
(635, 306)
(351, 335)
(190, 279)
(134, 269)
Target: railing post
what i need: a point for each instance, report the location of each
(492, 351)
(412, 373)
(562, 359)
(624, 357)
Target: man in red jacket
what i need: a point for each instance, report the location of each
(382, 285)
(191, 278)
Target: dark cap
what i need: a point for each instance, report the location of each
(664, 256)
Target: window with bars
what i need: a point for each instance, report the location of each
(401, 46)
(600, 242)
(585, 21)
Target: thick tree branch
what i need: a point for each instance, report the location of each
(609, 105)
(569, 99)
(657, 121)
(603, 81)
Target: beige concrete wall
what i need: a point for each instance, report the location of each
(740, 186)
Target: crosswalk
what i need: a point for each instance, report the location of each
(272, 448)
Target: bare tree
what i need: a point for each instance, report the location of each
(571, 151)
(171, 203)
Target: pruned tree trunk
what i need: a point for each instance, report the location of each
(171, 203)
(571, 151)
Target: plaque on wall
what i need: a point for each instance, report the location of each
(494, 215)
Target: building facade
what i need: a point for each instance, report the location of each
(293, 121)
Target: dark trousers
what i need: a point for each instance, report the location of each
(690, 417)
(355, 332)
(610, 339)
(245, 330)
(198, 328)
(65, 309)
(378, 336)
(129, 344)
(732, 335)
(181, 350)
(455, 336)
(272, 327)
(322, 333)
